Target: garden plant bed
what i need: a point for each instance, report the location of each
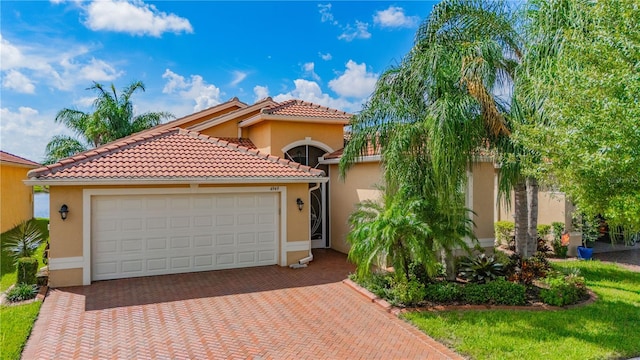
(532, 303)
(42, 293)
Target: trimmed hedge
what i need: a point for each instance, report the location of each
(497, 292)
(27, 270)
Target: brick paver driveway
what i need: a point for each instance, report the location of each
(256, 313)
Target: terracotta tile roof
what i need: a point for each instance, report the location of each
(10, 158)
(173, 154)
(239, 141)
(305, 109)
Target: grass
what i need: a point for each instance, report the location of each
(15, 328)
(8, 275)
(606, 329)
(16, 321)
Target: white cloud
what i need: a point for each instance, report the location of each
(93, 70)
(326, 15)
(238, 77)
(394, 17)
(309, 70)
(61, 69)
(15, 80)
(28, 123)
(355, 82)
(360, 31)
(261, 92)
(135, 17)
(10, 56)
(204, 95)
(325, 57)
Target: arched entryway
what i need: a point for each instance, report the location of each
(308, 155)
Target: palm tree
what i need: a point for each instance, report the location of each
(404, 231)
(112, 119)
(23, 240)
(429, 114)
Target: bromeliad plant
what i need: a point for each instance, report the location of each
(480, 269)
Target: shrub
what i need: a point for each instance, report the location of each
(22, 292)
(27, 270)
(407, 292)
(557, 228)
(480, 269)
(378, 283)
(525, 271)
(504, 231)
(563, 290)
(557, 231)
(543, 230)
(443, 292)
(499, 292)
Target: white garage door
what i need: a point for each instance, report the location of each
(141, 235)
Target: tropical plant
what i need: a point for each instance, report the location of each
(22, 240)
(480, 269)
(22, 292)
(113, 118)
(429, 115)
(403, 231)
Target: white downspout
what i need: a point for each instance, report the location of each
(304, 261)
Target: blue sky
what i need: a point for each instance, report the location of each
(191, 55)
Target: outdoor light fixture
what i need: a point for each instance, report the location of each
(64, 210)
(300, 203)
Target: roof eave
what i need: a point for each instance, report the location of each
(16, 164)
(263, 117)
(361, 159)
(186, 181)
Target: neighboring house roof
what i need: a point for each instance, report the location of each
(5, 157)
(298, 110)
(200, 114)
(233, 115)
(174, 155)
(305, 109)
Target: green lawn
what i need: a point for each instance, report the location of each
(7, 265)
(607, 329)
(15, 326)
(16, 321)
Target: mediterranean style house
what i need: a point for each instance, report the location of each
(235, 185)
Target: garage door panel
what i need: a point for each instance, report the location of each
(248, 257)
(266, 256)
(179, 222)
(181, 262)
(162, 234)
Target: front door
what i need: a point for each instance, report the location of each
(308, 155)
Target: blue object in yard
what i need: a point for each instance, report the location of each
(585, 253)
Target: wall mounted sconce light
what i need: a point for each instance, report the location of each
(64, 211)
(300, 203)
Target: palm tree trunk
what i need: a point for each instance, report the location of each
(521, 220)
(532, 215)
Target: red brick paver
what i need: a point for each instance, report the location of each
(256, 313)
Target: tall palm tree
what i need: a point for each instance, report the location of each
(113, 118)
(429, 114)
